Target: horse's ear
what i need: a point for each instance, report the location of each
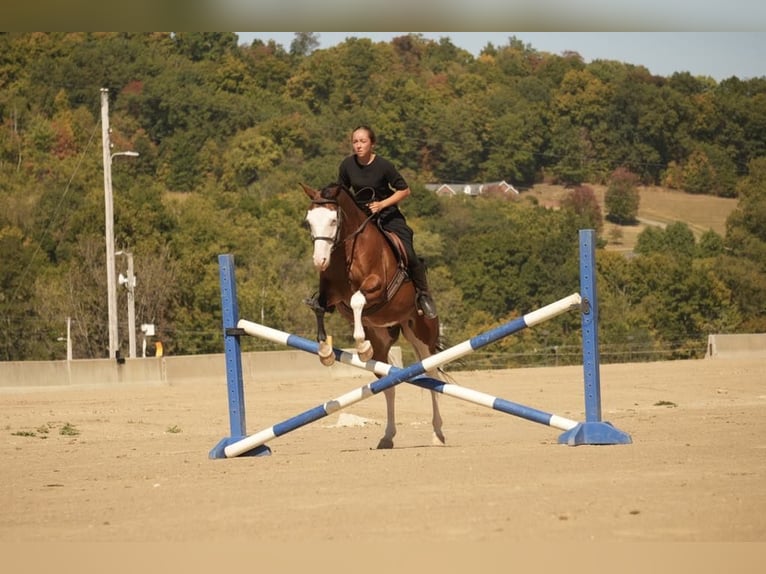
(312, 193)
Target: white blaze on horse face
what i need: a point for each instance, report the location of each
(324, 226)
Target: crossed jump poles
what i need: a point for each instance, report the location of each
(593, 430)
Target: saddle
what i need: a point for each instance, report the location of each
(396, 244)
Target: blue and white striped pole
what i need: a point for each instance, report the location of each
(383, 369)
(394, 377)
(495, 403)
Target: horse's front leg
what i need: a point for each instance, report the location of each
(325, 352)
(363, 346)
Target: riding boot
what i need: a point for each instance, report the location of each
(423, 297)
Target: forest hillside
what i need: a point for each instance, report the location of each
(209, 141)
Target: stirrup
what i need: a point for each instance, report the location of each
(426, 305)
(313, 302)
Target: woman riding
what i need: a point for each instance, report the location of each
(378, 188)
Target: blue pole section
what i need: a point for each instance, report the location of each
(233, 357)
(593, 430)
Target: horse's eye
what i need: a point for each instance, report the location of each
(306, 224)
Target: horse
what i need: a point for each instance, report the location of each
(363, 277)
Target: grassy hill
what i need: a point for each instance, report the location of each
(658, 207)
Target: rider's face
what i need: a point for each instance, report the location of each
(360, 140)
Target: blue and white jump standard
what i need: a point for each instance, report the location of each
(592, 431)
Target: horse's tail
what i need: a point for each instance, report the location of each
(443, 344)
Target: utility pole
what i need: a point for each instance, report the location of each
(69, 339)
(111, 284)
(130, 285)
(111, 288)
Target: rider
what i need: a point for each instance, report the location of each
(378, 188)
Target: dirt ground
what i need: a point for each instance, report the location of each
(130, 463)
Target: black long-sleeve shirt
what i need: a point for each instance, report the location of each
(380, 175)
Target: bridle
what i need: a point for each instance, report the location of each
(334, 241)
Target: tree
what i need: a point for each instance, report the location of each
(17, 301)
(676, 240)
(582, 201)
(236, 128)
(710, 245)
(745, 228)
(205, 45)
(249, 156)
(570, 152)
(622, 198)
(304, 43)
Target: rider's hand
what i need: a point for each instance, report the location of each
(374, 206)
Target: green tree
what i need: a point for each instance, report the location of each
(304, 43)
(570, 152)
(622, 198)
(676, 240)
(249, 156)
(711, 244)
(743, 268)
(745, 228)
(17, 302)
(205, 45)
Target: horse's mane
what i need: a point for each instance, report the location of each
(330, 192)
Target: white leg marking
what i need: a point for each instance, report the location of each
(363, 347)
(357, 304)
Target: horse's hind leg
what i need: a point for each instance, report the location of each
(387, 440)
(422, 350)
(438, 436)
(382, 340)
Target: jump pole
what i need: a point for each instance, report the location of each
(260, 438)
(383, 369)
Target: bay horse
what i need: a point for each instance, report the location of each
(362, 277)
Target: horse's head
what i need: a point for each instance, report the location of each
(323, 218)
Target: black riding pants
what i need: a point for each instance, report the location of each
(398, 225)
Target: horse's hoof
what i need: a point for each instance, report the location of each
(326, 354)
(438, 439)
(385, 443)
(364, 351)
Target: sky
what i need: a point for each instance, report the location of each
(719, 55)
